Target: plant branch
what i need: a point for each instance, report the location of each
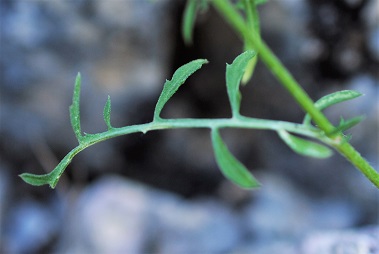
(231, 15)
(160, 124)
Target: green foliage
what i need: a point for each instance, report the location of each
(75, 109)
(246, 25)
(232, 169)
(107, 113)
(305, 147)
(234, 74)
(189, 18)
(171, 86)
(332, 99)
(347, 124)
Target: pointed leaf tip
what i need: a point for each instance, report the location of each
(234, 74)
(231, 168)
(171, 86)
(332, 99)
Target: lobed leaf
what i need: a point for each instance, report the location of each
(331, 99)
(305, 147)
(234, 73)
(107, 113)
(51, 178)
(232, 169)
(171, 86)
(75, 109)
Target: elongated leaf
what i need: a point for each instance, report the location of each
(253, 24)
(107, 113)
(171, 86)
(188, 22)
(234, 73)
(305, 147)
(347, 124)
(75, 110)
(232, 169)
(331, 99)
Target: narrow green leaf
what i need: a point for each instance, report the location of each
(332, 99)
(232, 169)
(305, 147)
(253, 24)
(234, 73)
(347, 124)
(188, 22)
(107, 113)
(75, 110)
(171, 86)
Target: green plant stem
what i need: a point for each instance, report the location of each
(161, 124)
(352, 155)
(235, 122)
(231, 15)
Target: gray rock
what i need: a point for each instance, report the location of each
(111, 216)
(280, 212)
(4, 201)
(29, 227)
(362, 241)
(370, 16)
(118, 216)
(197, 227)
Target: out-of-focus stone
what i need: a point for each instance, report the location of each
(362, 241)
(119, 216)
(29, 227)
(280, 212)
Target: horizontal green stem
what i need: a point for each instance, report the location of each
(161, 124)
(240, 122)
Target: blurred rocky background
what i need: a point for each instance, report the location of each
(162, 192)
